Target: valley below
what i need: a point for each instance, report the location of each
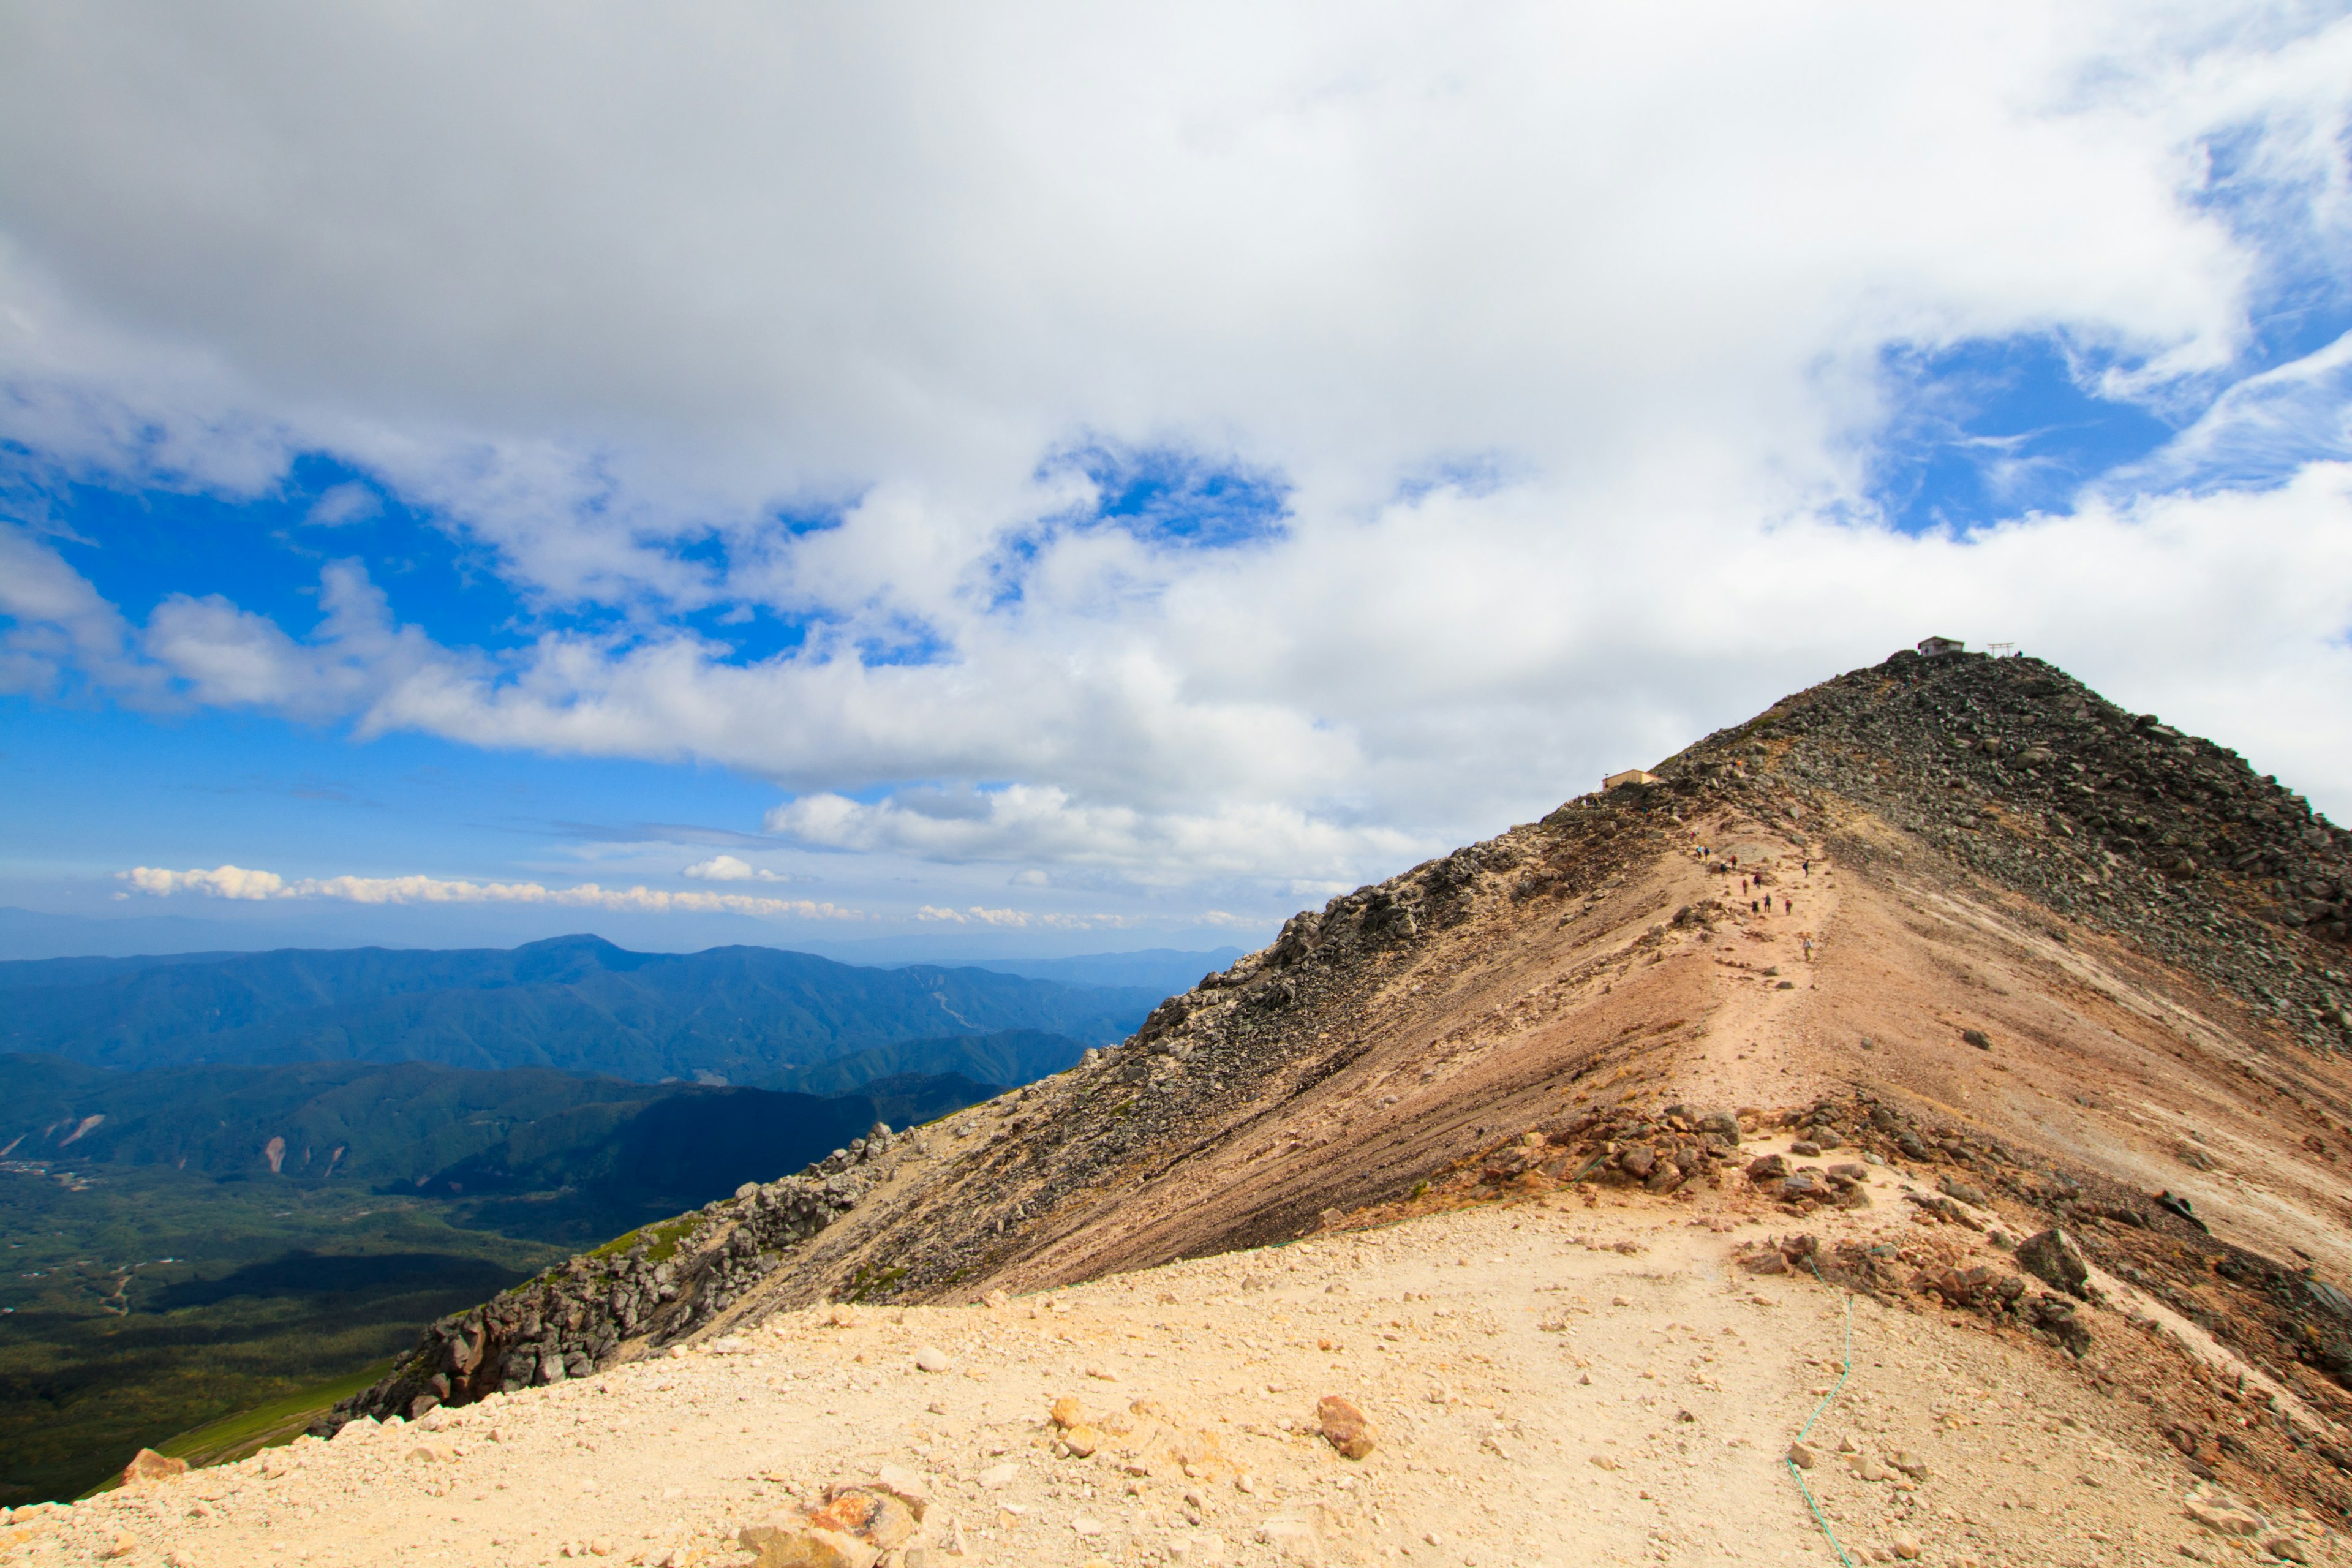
(189, 1239)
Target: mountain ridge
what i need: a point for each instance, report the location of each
(1939, 983)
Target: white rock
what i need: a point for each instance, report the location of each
(997, 1476)
(909, 1484)
(931, 1357)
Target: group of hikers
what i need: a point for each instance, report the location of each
(1751, 887)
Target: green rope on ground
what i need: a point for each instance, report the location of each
(1795, 1473)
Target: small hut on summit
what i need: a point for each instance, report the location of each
(1936, 648)
(1630, 776)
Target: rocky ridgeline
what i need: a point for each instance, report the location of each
(2013, 770)
(1277, 1021)
(633, 1296)
(2031, 780)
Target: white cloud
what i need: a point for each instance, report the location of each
(237, 882)
(728, 868)
(1022, 920)
(222, 882)
(343, 503)
(588, 294)
(1024, 823)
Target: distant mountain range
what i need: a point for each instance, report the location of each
(420, 1128)
(731, 1015)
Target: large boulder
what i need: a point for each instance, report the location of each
(2050, 1258)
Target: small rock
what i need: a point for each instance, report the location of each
(124, 1545)
(1346, 1427)
(1289, 1535)
(840, 1316)
(1197, 1550)
(147, 1465)
(1905, 1545)
(1801, 1457)
(1804, 1148)
(2224, 1518)
(1082, 1440)
(786, 1542)
(1067, 1412)
(2286, 1549)
(931, 1357)
(997, 1476)
(1087, 1524)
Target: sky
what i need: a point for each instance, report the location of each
(1078, 477)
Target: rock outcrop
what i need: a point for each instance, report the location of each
(648, 1289)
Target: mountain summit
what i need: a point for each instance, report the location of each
(2056, 971)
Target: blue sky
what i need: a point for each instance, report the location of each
(902, 484)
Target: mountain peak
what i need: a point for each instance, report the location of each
(1930, 957)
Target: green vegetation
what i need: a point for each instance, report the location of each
(140, 1303)
(266, 1424)
(164, 1283)
(1007, 1056)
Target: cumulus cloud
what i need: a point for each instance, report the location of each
(728, 868)
(237, 882)
(1550, 354)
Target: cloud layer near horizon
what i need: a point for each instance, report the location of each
(239, 882)
(1548, 350)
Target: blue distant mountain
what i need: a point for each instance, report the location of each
(727, 1014)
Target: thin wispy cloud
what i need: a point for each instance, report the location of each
(237, 882)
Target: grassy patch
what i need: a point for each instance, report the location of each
(281, 1420)
(146, 1308)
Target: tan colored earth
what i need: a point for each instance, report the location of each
(1553, 1383)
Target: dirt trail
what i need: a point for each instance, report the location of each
(1556, 1382)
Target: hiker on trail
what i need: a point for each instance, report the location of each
(1753, 910)
(1809, 865)
(1743, 885)
(1788, 905)
(1809, 950)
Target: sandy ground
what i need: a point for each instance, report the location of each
(1556, 1382)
